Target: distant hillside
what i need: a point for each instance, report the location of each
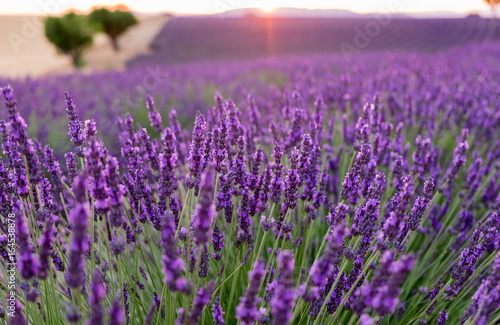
(297, 13)
(190, 39)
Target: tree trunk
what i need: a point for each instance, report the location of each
(114, 41)
(76, 58)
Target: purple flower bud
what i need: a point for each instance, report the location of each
(217, 313)
(173, 264)
(247, 311)
(202, 298)
(283, 299)
(78, 218)
(154, 116)
(116, 313)
(168, 159)
(443, 317)
(204, 211)
(45, 249)
(149, 149)
(97, 294)
(71, 165)
(350, 185)
(217, 242)
(196, 155)
(276, 186)
(75, 125)
(53, 168)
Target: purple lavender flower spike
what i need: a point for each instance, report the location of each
(78, 218)
(443, 317)
(202, 298)
(254, 177)
(53, 168)
(18, 127)
(238, 167)
(116, 192)
(97, 294)
(28, 264)
(167, 183)
(217, 242)
(292, 182)
(204, 210)
(18, 317)
(276, 186)
(323, 267)
(154, 116)
(220, 144)
(172, 262)
(350, 185)
(116, 313)
(149, 149)
(284, 296)
(45, 249)
(247, 311)
(224, 198)
(75, 125)
(486, 299)
(459, 159)
(217, 313)
(196, 155)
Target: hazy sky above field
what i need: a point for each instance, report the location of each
(211, 6)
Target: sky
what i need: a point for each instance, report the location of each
(213, 6)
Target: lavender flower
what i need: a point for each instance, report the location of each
(247, 311)
(75, 125)
(196, 155)
(217, 242)
(204, 211)
(173, 264)
(459, 158)
(53, 168)
(350, 185)
(217, 313)
(45, 249)
(276, 186)
(154, 116)
(323, 267)
(18, 127)
(28, 263)
(78, 217)
(96, 297)
(443, 317)
(283, 299)
(201, 299)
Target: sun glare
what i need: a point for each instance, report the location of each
(267, 8)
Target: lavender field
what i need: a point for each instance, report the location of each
(297, 190)
(201, 39)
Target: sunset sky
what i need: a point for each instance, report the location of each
(212, 6)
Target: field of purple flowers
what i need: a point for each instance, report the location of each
(303, 192)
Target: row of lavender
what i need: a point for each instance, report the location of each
(424, 80)
(304, 206)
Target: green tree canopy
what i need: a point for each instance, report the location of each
(114, 23)
(71, 34)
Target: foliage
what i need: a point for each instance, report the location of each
(71, 34)
(113, 23)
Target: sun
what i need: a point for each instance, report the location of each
(267, 8)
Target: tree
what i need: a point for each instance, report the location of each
(114, 23)
(492, 4)
(71, 34)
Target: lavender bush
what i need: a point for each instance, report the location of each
(370, 197)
